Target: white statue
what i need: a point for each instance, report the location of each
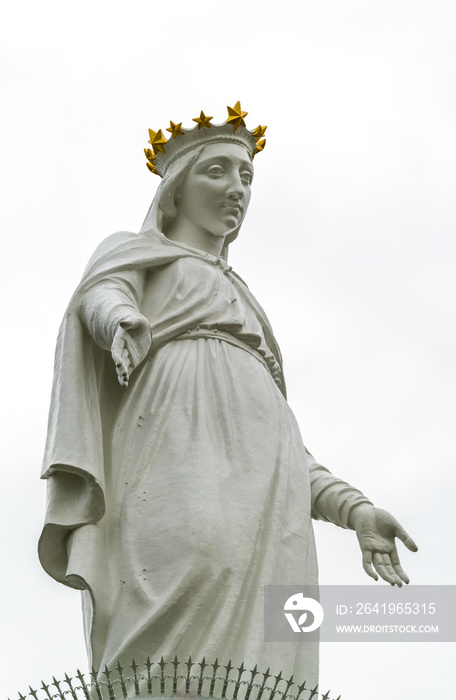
(178, 481)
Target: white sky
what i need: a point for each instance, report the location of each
(348, 245)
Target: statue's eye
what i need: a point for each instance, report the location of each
(246, 178)
(215, 171)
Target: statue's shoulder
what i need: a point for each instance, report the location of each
(129, 251)
(239, 278)
(111, 244)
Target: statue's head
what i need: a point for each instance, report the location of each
(207, 175)
(213, 191)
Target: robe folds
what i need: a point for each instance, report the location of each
(171, 503)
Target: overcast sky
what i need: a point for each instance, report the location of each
(349, 245)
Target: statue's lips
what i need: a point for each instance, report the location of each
(235, 208)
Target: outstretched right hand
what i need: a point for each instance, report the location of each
(130, 346)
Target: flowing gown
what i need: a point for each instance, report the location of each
(209, 489)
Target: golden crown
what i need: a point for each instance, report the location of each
(165, 151)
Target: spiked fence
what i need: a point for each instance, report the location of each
(176, 679)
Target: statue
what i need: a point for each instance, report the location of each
(178, 483)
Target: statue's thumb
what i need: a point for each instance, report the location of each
(407, 540)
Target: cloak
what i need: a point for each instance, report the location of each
(74, 547)
(85, 395)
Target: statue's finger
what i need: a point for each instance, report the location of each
(122, 381)
(367, 564)
(117, 351)
(406, 539)
(126, 360)
(122, 374)
(398, 568)
(121, 366)
(387, 563)
(384, 569)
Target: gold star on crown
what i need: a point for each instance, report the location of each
(236, 116)
(233, 130)
(175, 129)
(157, 140)
(202, 120)
(259, 147)
(259, 132)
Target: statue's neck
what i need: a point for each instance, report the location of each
(196, 237)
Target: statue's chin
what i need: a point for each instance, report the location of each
(232, 230)
(229, 224)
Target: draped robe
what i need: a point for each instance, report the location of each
(173, 502)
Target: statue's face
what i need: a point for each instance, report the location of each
(216, 191)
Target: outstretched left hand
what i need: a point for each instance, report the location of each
(377, 530)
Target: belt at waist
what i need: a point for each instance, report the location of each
(226, 337)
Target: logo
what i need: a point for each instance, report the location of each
(298, 603)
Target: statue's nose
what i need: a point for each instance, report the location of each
(235, 190)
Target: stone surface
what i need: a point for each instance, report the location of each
(178, 481)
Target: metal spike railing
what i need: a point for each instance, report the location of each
(179, 680)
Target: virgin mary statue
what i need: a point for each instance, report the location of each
(178, 482)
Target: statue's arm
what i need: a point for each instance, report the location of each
(336, 501)
(333, 500)
(110, 310)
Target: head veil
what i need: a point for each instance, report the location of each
(163, 209)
